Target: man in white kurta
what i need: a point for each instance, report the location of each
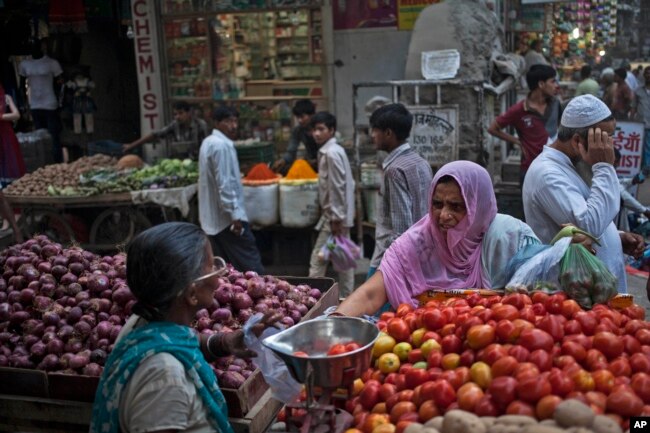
(221, 196)
(554, 193)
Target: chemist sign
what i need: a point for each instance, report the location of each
(434, 134)
(628, 139)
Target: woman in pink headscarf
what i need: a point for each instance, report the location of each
(462, 243)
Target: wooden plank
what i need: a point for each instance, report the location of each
(100, 199)
(29, 414)
(260, 417)
(20, 381)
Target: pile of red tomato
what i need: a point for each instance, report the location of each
(503, 355)
(335, 349)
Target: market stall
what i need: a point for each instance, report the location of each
(100, 203)
(51, 388)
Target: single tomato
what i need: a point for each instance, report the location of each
(624, 403)
(518, 407)
(531, 390)
(504, 366)
(388, 363)
(545, 407)
(428, 410)
(468, 396)
(608, 344)
(336, 349)
(534, 339)
(641, 385)
(503, 390)
(398, 329)
(480, 336)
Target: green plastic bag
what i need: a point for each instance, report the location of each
(585, 278)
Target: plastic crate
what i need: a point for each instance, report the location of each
(262, 152)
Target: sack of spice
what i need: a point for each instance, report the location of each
(261, 195)
(301, 170)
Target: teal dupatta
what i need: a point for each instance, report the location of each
(156, 337)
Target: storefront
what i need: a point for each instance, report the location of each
(572, 33)
(259, 56)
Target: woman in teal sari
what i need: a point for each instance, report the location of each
(157, 379)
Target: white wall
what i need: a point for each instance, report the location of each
(367, 55)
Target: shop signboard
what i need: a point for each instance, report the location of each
(408, 11)
(356, 14)
(628, 139)
(532, 18)
(147, 59)
(434, 134)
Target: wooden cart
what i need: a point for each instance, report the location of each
(113, 218)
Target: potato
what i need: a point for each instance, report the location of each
(488, 421)
(579, 430)
(604, 424)
(538, 428)
(504, 428)
(573, 413)
(459, 421)
(435, 422)
(520, 420)
(549, 422)
(416, 427)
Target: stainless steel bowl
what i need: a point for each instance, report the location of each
(315, 337)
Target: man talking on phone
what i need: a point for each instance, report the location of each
(574, 181)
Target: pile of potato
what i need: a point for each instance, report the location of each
(58, 175)
(570, 416)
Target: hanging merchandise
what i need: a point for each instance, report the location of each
(67, 16)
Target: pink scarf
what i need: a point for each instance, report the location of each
(422, 259)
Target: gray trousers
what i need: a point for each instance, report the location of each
(318, 267)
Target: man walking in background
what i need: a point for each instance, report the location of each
(641, 112)
(535, 118)
(221, 196)
(404, 192)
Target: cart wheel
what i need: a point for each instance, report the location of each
(117, 226)
(46, 222)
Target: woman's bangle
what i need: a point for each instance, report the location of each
(219, 350)
(336, 314)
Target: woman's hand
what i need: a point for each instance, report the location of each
(232, 343)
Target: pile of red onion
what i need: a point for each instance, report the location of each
(62, 309)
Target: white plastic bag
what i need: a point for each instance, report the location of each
(261, 204)
(540, 272)
(283, 386)
(299, 203)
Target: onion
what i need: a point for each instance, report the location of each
(5, 312)
(51, 318)
(42, 303)
(224, 294)
(256, 288)
(232, 379)
(74, 315)
(73, 345)
(29, 272)
(244, 315)
(115, 331)
(121, 296)
(90, 319)
(309, 301)
(58, 271)
(38, 350)
(33, 327)
(49, 363)
(78, 361)
(93, 369)
(49, 250)
(101, 305)
(18, 282)
(65, 332)
(302, 309)
(102, 316)
(73, 288)
(202, 313)
(281, 295)
(55, 346)
(20, 361)
(29, 340)
(59, 261)
(68, 278)
(287, 321)
(115, 319)
(44, 267)
(294, 295)
(295, 315)
(315, 293)
(83, 329)
(98, 356)
(203, 323)
(223, 315)
(241, 301)
(103, 329)
(76, 268)
(18, 317)
(261, 307)
(97, 283)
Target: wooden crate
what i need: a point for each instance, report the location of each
(29, 399)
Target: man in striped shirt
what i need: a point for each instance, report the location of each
(404, 192)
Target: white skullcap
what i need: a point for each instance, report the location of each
(607, 71)
(583, 111)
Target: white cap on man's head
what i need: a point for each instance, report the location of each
(583, 111)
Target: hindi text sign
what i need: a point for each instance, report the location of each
(434, 134)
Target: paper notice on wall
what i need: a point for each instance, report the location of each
(628, 139)
(434, 134)
(440, 65)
